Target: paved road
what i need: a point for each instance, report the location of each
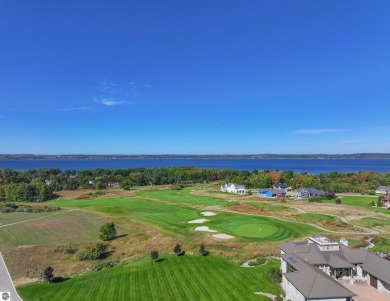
(6, 284)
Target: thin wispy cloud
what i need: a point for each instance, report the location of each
(112, 102)
(75, 109)
(113, 93)
(317, 131)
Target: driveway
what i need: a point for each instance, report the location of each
(365, 292)
(6, 284)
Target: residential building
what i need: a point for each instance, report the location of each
(383, 189)
(386, 201)
(233, 188)
(272, 193)
(305, 193)
(309, 269)
(282, 186)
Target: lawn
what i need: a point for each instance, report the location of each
(172, 219)
(360, 201)
(375, 222)
(14, 217)
(54, 228)
(174, 278)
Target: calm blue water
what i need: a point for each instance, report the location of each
(313, 166)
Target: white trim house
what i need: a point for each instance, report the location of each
(233, 188)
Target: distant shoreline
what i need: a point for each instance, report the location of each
(205, 156)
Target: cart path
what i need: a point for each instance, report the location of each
(6, 284)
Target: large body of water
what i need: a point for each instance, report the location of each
(313, 166)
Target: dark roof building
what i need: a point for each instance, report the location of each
(333, 259)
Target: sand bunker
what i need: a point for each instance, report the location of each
(223, 236)
(204, 228)
(208, 213)
(198, 221)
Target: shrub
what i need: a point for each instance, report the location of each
(203, 251)
(338, 201)
(104, 265)
(372, 203)
(97, 251)
(177, 250)
(176, 187)
(154, 255)
(7, 209)
(317, 199)
(47, 273)
(107, 231)
(257, 261)
(274, 275)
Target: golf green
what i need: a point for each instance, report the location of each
(256, 230)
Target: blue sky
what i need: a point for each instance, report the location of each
(194, 77)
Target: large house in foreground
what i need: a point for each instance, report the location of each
(305, 193)
(233, 188)
(309, 269)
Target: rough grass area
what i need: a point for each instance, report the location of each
(172, 219)
(184, 196)
(375, 222)
(173, 278)
(381, 245)
(269, 206)
(312, 217)
(56, 228)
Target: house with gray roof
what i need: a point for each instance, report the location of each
(233, 188)
(272, 192)
(282, 186)
(305, 193)
(382, 189)
(334, 260)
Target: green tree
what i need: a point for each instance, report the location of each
(203, 251)
(126, 184)
(154, 255)
(107, 231)
(47, 274)
(177, 250)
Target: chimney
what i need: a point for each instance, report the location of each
(344, 241)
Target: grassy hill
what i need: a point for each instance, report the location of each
(189, 277)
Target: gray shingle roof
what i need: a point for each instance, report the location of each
(277, 191)
(378, 267)
(313, 283)
(384, 188)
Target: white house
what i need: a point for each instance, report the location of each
(383, 189)
(233, 188)
(309, 269)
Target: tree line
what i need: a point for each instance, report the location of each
(37, 185)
